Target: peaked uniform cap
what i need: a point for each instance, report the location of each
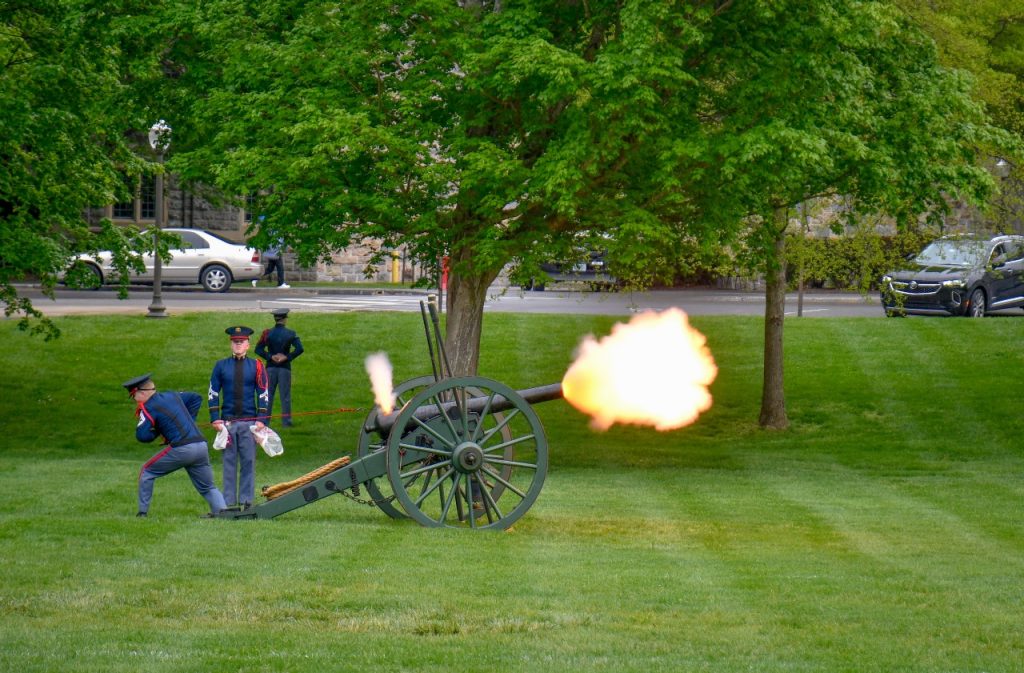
(239, 332)
(134, 384)
(280, 312)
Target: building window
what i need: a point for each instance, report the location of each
(147, 198)
(143, 206)
(126, 210)
(250, 206)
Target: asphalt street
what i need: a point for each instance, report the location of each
(694, 301)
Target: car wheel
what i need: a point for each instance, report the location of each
(215, 278)
(86, 276)
(977, 307)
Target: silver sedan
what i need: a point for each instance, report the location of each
(205, 258)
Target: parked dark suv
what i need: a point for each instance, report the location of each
(591, 272)
(961, 275)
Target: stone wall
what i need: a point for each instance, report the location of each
(185, 209)
(351, 265)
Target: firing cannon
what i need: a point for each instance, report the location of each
(461, 452)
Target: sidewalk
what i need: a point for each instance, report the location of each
(708, 292)
(816, 295)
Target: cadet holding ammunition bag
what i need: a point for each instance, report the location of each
(238, 400)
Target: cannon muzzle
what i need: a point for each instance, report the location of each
(383, 423)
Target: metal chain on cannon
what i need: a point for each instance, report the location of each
(354, 495)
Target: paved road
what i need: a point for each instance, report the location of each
(693, 301)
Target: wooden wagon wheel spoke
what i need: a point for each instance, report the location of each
(483, 414)
(437, 435)
(511, 442)
(447, 504)
(429, 468)
(427, 449)
(488, 500)
(509, 486)
(437, 484)
(513, 463)
(504, 421)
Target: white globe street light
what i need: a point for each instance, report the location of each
(159, 140)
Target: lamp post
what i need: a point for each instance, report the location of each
(159, 140)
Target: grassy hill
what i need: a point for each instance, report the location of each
(882, 532)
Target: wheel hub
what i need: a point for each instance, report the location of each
(467, 458)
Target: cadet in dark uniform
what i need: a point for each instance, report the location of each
(172, 415)
(279, 346)
(237, 400)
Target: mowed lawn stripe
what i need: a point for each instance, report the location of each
(854, 541)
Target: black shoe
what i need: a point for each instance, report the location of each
(141, 515)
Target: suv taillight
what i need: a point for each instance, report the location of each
(255, 257)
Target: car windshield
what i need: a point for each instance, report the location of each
(952, 253)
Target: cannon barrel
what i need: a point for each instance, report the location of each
(383, 423)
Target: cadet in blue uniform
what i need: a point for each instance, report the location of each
(238, 399)
(279, 346)
(172, 415)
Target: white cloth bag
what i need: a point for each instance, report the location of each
(268, 440)
(223, 439)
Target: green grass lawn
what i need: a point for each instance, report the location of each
(883, 532)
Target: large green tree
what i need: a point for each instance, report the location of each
(480, 132)
(503, 132)
(822, 99)
(70, 101)
(986, 39)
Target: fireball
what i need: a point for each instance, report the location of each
(653, 371)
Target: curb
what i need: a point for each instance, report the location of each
(717, 294)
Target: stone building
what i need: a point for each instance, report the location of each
(187, 210)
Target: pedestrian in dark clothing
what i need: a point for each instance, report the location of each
(273, 257)
(173, 416)
(238, 400)
(279, 346)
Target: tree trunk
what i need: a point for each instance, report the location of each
(773, 396)
(466, 296)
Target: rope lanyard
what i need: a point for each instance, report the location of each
(342, 410)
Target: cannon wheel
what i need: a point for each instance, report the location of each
(379, 490)
(465, 458)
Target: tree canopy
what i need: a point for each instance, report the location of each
(826, 99)
(504, 132)
(486, 132)
(482, 133)
(70, 102)
(986, 39)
